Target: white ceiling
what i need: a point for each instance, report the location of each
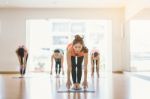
(61, 3)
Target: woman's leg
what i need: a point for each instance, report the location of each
(73, 61)
(79, 68)
(92, 74)
(59, 67)
(56, 66)
(97, 68)
(21, 65)
(25, 63)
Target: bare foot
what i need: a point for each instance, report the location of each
(75, 86)
(78, 86)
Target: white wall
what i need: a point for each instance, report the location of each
(144, 14)
(132, 7)
(126, 47)
(13, 30)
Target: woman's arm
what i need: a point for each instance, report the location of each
(18, 56)
(85, 66)
(98, 61)
(17, 53)
(68, 65)
(26, 55)
(92, 62)
(52, 57)
(68, 84)
(62, 62)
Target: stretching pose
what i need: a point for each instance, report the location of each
(58, 57)
(95, 60)
(22, 54)
(76, 53)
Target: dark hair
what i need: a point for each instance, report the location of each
(20, 51)
(56, 51)
(96, 54)
(79, 39)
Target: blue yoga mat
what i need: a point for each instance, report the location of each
(63, 89)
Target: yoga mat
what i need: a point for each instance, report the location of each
(63, 89)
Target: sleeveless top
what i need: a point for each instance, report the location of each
(21, 51)
(72, 51)
(92, 54)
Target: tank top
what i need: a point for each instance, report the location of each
(21, 52)
(92, 53)
(71, 49)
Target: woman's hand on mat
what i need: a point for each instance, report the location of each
(85, 84)
(68, 84)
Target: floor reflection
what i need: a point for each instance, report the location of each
(43, 86)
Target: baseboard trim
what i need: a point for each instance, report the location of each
(119, 72)
(15, 72)
(9, 72)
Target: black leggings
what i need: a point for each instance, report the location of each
(21, 57)
(77, 65)
(23, 69)
(95, 62)
(21, 60)
(58, 63)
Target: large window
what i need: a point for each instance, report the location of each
(140, 45)
(43, 36)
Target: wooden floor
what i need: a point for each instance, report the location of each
(44, 86)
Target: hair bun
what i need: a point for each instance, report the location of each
(78, 37)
